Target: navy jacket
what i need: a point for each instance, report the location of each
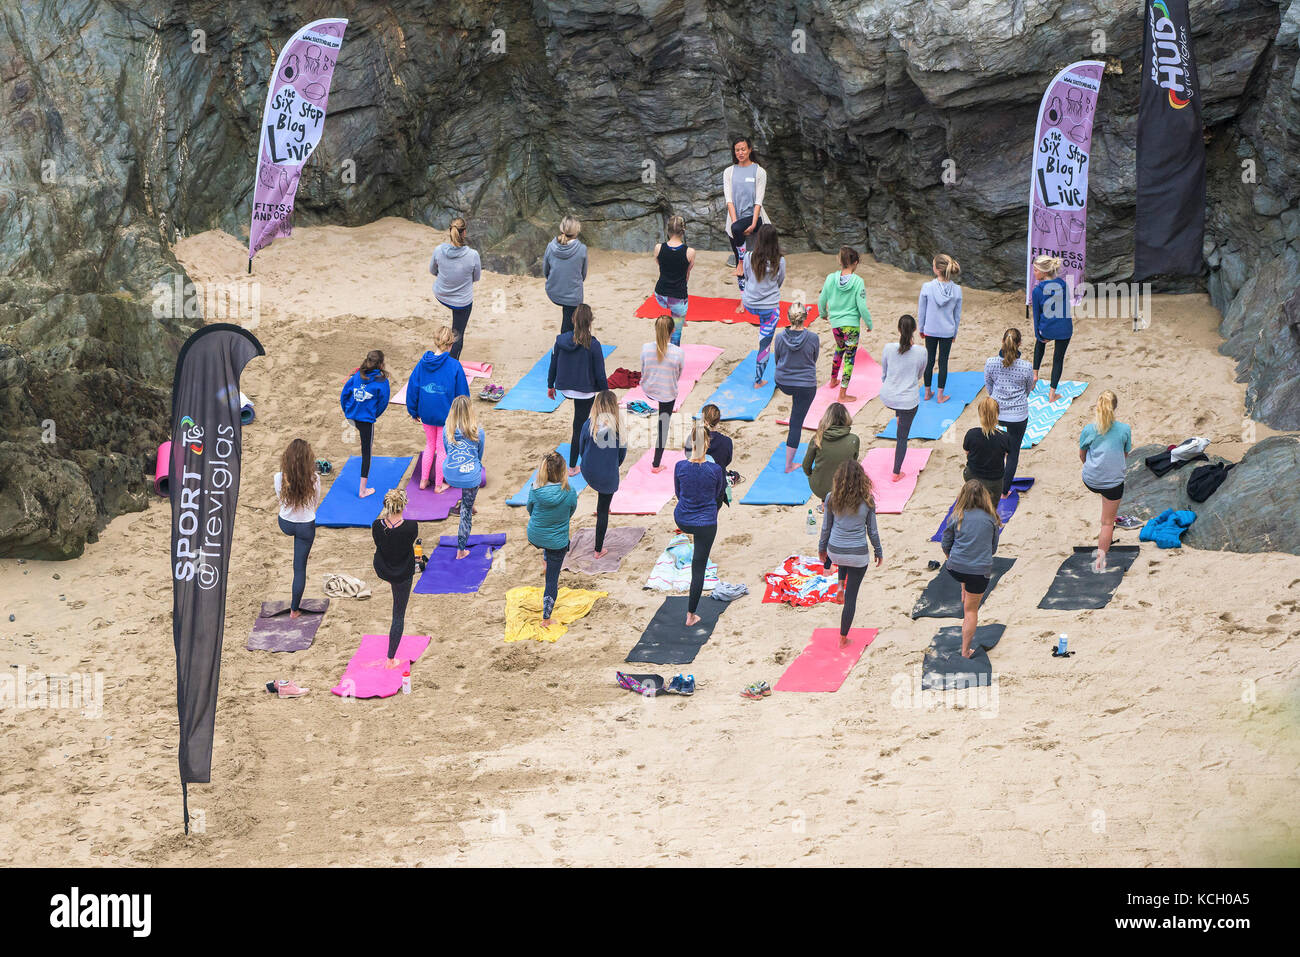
(601, 457)
(574, 368)
(1051, 299)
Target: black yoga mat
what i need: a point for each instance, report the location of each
(944, 668)
(667, 640)
(942, 597)
(1077, 587)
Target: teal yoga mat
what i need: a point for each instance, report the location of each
(576, 482)
(529, 393)
(932, 418)
(737, 398)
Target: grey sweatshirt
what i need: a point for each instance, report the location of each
(938, 309)
(971, 550)
(846, 536)
(765, 294)
(565, 267)
(899, 374)
(457, 268)
(796, 351)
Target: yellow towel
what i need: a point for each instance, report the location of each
(524, 612)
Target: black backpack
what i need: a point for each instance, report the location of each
(1206, 479)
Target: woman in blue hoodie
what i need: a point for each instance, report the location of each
(551, 504)
(1051, 302)
(938, 314)
(456, 267)
(700, 487)
(435, 381)
(463, 441)
(364, 399)
(577, 371)
(603, 452)
(564, 266)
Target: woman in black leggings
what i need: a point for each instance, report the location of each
(577, 371)
(297, 489)
(1051, 307)
(603, 452)
(849, 523)
(395, 561)
(700, 486)
(796, 351)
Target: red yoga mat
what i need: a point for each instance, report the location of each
(824, 665)
(716, 309)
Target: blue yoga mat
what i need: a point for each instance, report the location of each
(1006, 506)
(342, 508)
(529, 393)
(576, 482)
(448, 575)
(776, 486)
(932, 419)
(1043, 414)
(737, 397)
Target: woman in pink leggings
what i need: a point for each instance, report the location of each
(435, 382)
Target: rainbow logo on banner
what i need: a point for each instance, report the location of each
(1170, 57)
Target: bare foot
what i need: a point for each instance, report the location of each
(602, 553)
(1035, 377)
(424, 483)
(845, 397)
(1051, 395)
(760, 383)
(839, 599)
(295, 614)
(462, 553)
(844, 640)
(944, 398)
(656, 469)
(391, 663)
(896, 477)
(439, 489)
(834, 382)
(574, 471)
(1006, 494)
(739, 310)
(546, 623)
(967, 651)
(929, 394)
(365, 493)
(692, 620)
(791, 468)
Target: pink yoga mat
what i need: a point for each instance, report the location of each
(864, 386)
(366, 676)
(891, 496)
(162, 467)
(823, 665)
(426, 505)
(642, 492)
(473, 370)
(698, 359)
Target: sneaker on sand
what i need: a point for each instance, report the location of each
(285, 688)
(731, 260)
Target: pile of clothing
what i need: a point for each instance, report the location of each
(803, 581)
(1167, 528)
(1176, 456)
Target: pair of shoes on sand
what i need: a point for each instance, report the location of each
(492, 392)
(285, 688)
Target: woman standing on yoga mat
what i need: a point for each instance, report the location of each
(364, 399)
(1009, 379)
(1103, 446)
(565, 267)
(938, 314)
(675, 260)
(743, 185)
(796, 352)
(721, 448)
(463, 441)
(760, 275)
(661, 369)
(551, 504)
(986, 450)
(700, 487)
(901, 365)
(297, 489)
(578, 371)
(435, 381)
(1051, 302)
(843, 301)
(603, 452)
(394, 561)
(970, 541)
(850, 521)
(833, 444)
(456, 267)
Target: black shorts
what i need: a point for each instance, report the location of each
(1111, 494)
(975, 584)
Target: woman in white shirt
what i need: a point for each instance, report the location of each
(297, 490)
(743, 186)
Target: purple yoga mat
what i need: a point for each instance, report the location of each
(366, 675)
(448, 575)
(425, 505)
(619, 541)
(1006, 506)
(274, 630)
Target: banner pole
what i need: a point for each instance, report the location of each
(250, 265)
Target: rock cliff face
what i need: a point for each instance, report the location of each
(126, 125)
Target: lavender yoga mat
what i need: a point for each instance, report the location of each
(447, 575)
(1006, 506)
(274, 630)
(619, 542)
(366, 676)
(426, 505)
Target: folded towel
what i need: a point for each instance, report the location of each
(338, 585)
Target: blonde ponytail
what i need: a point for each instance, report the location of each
(457, 232)
(1107, 403)
(947, 267)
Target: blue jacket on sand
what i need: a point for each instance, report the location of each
(365, 395)
(1167, 528)
(1051, 299)
(435, 381)
(575, 369)
(602, 455)
(463, 467)
(549, 510)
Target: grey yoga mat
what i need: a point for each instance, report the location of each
(942, 597)
(944, 669)
(274, 630)
(667, 640)
(1077, 587)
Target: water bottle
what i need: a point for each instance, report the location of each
(406, 681)
(811, 527)
(419, 555)
(1062, 643)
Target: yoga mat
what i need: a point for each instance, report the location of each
(716, 309)
(775, 486)
(343, 508)
(366, 675)
(1006, 506)
(642, 492)
(943, 667)
(1077, 587)
(1044, 415)
(473, 370)
(933, 418)
(667, 640)
(737, 398)
(161, 467)
(424, 504)
(823, 664)
(942, 596)
(576, 482)
(864, 386)
(447, 575)
(619, 542)
(274, 630)
(246, 413)
(524, 611)
(529, 393)
(698, 359)
(891, 496)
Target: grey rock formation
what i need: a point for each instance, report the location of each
(125, 125)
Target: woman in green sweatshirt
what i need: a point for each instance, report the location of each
(833, 444)
(843, 301)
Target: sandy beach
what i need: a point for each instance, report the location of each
(1170, 738)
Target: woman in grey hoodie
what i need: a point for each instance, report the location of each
(938, 313)
(901, 364)
(565, 267)
(970, 541)
(795, 352)
(456, 267)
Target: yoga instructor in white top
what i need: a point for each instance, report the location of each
(743, 186)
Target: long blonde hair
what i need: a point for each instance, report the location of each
(989, 415)
(663, 333)
(604, 414)
(394, 503)
(461, 418)
(1010, 347)
(973, 495)
(1049, 266)
(552, 471)
(1107, 403)
(699, 441)
(444, 337)
(948, 267)
(457, 232)
(836, 414)
(570, 227)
